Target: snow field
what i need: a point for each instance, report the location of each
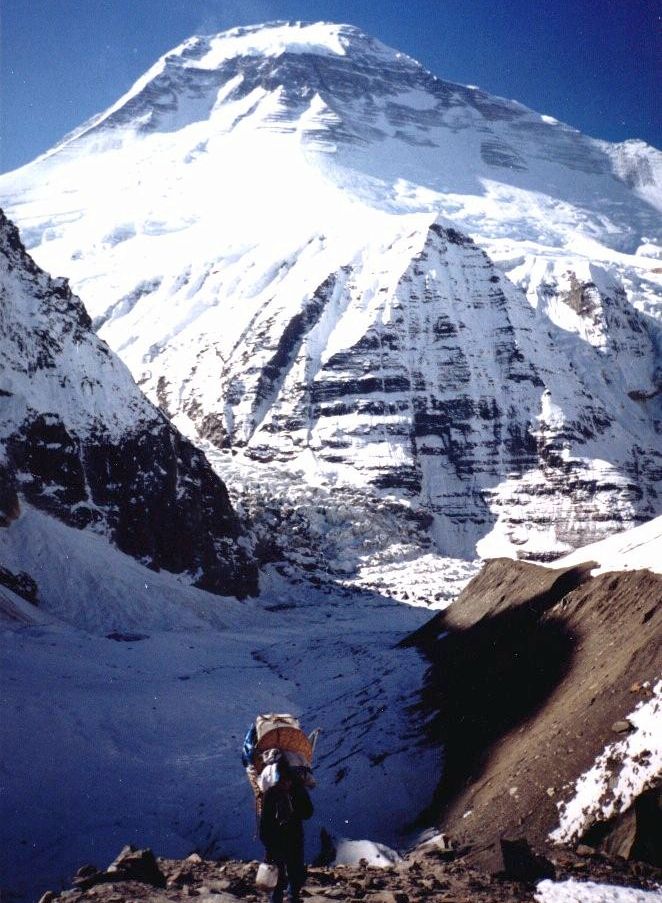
(137, 738)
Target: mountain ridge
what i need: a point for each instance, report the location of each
(82, 443)
(294, 191)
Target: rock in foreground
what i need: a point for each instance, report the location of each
(426, 874)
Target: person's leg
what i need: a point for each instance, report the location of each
(279, 889)
(296, 871)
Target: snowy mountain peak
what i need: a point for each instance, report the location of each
(192, 78)
(324, 260)
(364, 109)
(276, 38)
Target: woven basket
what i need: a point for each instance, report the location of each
(287, 738)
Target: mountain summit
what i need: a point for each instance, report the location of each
(347, 274)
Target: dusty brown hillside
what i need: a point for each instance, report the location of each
(530, 671)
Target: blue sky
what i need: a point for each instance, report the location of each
(595, 64)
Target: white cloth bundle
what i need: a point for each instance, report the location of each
(268, 777)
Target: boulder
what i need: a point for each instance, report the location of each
(136, 865)
(621, 727)
(522, 864)
(514, 859)
(633, 834)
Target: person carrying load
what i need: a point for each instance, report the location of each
(277, 756)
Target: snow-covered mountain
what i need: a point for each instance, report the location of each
(80, 442)
(346, 275)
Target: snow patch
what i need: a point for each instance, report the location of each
(355, 852)
(572, 891)
(622, 771)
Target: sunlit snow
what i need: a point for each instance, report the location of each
(572, 891)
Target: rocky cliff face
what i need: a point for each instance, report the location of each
(348, 275)
(81, 442)
(409, 398)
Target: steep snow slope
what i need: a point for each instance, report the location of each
(630, 550)
(269, 229)
(80, 441)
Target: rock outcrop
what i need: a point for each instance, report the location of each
(427, 874)
(82, 443)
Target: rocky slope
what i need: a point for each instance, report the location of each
(539, 676)
(429, 873)
(292, 281)
(82, 443)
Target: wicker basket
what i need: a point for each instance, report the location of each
(286, 738)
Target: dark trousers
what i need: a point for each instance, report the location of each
(281, 832)
(292, 871)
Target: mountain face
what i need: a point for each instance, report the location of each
(345, 275)
(80, 441)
